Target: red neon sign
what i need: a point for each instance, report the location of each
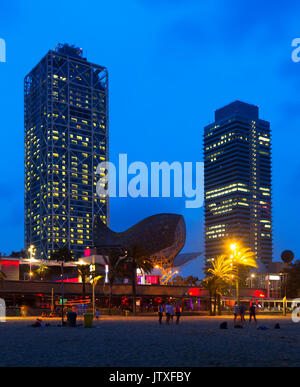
(9, 263)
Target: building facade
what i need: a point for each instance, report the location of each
(66, 137)
(237, 165)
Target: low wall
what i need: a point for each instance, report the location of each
(75, 289)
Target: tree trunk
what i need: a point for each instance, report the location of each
(219, 305)
(83, 287)
(210, 304)
(237, 285)
(215, 303)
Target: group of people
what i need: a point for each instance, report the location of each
(170, 310)
(240, 310)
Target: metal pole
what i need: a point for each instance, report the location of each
(285, 303)
(237, 285)
(52, 305)
(93, 274)
(62, 293)
(30, 258)
(94, 297)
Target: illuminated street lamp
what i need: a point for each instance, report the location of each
(31, 259)
(235, 263)
(233, 247)
(252, 278)
(241, 257)
(31, 251)
(94, 279)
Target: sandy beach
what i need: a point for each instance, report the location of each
(140, 341)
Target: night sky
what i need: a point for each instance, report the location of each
(171, 64)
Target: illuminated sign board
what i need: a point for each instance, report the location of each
(274, 278)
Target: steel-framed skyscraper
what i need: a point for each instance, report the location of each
(237, 170)
(66, 136)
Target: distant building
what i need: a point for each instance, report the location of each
(66, 136)
(237, 151)
(272, 278)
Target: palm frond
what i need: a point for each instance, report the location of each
(221, 268)
(245, 257)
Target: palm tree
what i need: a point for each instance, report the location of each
(221, 267)
(116, 270)
(220, 271)
(137, 259)
(244, 257)
(84, 272)
(209, 283)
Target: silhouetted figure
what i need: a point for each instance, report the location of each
(252, 313)
(168, 314)
(235, 312)
(97, 314)
(172, 312)
(160, 313)
(242, 311)
(178, 313)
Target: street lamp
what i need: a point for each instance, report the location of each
(252, 277)
(233, 247)
(243, 256)
(94, 279)
(31, 259)
(236, 260)
(31, 251)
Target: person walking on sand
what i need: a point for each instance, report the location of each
(235, 312)
(242, 311)
(178, 313)
(97, 314)
(252, 313)
(168, 313)
(172, 312)
(160, 313)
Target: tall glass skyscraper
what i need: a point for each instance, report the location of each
(66, 136)
(237, 151)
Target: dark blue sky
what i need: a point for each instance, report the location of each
(171, 64)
